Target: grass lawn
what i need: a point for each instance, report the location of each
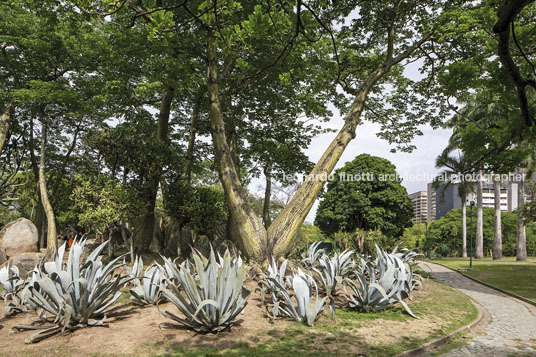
(507, 273)
(384, 333)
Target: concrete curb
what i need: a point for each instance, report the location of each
(419, 351)
(524, 299)
(528, 301)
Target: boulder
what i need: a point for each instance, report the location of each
(19, 236)
(26, 262)
(3, 256)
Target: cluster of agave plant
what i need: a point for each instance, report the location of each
(374, 283)
(208, 291)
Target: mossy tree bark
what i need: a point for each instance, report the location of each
(252, 237)
(52, 241)
(5, 119)
(267, 196)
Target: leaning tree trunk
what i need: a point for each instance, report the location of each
(464, 226)
(52, 241)
(479, 239)
(5, 119)
(254, 240)
(521, 251)
(497, 235)
(267, 196)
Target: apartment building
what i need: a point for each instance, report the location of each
(420, 206)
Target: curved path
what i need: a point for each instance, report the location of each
(512, 330)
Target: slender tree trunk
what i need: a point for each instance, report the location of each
(52, 241)
(267, 196)
(464, 226)
(497, 235)
(146, 234)
(124, 235)
(111, 249)
(521, 251)
(479, 239)
(5, 119)
(191, 137)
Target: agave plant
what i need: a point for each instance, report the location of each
(310, 258)
(75, 294)
(333, 269)
(13, 290)
(380, 287)
(274, 272)
(147, 291)
(212, 303)
(137, 268)
(305, 310)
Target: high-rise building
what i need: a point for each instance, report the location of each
(420, 206)
(431, 203)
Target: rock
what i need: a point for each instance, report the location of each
(19, 236)
(26, 262)
(3, 256)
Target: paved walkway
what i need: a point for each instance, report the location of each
(512, 330)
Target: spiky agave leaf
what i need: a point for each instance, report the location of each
(333, 269)
(212, 303)
(147, 291)
(306, 309)
(311, 256)
(75, 294)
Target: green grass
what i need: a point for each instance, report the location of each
(507, 273)
(440, 304)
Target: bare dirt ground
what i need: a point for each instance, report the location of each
(144, 331)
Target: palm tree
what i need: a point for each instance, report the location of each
(456, 168)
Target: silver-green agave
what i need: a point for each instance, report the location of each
(147, 291)
(382, 285)
(304, 309)
(332, 269)
(76, 294)
(212, 300)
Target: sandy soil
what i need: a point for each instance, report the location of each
(143, 331)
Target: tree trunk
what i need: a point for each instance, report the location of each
(110, 243)
(464, 226)
(128, 246)
(267, 196)
(5, 119)
(52, 241)
(479, 239)
(251, 234)
(146, 233)
(521, 251)
(497, 235)
(191, 138)
(253, 239)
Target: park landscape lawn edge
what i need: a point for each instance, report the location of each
(506, 292)
(428, 346)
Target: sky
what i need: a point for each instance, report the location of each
(419, 162)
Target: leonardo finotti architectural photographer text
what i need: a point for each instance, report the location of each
(425, 177)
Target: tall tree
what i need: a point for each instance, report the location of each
(457, 167)
(367, 194)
